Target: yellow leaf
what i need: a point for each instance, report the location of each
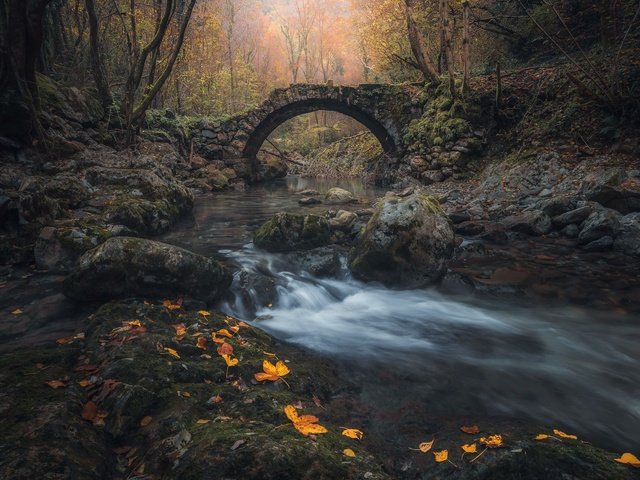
(306, 424)
(470, 448)
(542, 436)
(134, 323)
(172, 352)
(202, 343)
(146, 421)
(269, 354)
(17, 311)
(83, 383)
(215, 339)
(231, 362)
(202, 421)
(347, 452)
(272, 372)
(170, 305)
(204, 313)
(492, 441)
(441, 456)
(629, 459)
(352, 433)
(424, 447)
(564, 435)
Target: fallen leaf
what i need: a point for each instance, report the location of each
(272, 372)
(181, 331)
(202, 343)
(234, 329)
(134, 323)
(183, 394)
(268, 354)
(231, 362)
(441, 456)
(305, 424)
(564, 435)
(352, 433)
(217, 399)
(56, 384)
(424, 447)
(202, 421)
(493, 441)
(89, 411)
(470, 448)
(172, 352)
(84, 383)
(224, 332)
(65, 340)
(170, 305)
(237, 444)
(542, 436)
(204, 313)
(215, 339)
(146, 421)
(473, 430)
(347, 452)
(629, 459)
(17, 311)
(225, 349)
(317, 401)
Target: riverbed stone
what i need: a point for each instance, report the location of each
(601, 223)
(286, 232)
(628, 239)
(128, 266)
(320, 262)
(339, 196)
(407, 243)
(343, 221)
(309, 201)
(531, 222)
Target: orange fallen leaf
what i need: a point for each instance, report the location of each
(542, 436)
(424, 447)
(470, 448)
(215, 339)
(202, 343)
(218, 399)
(146, 421)
(225, 349)
(89, 411)
(234, 329)
(305, 424)
(493, 441)
(272, 372)
(629, 459)
(170, 305)
(347, 452)
(204, 313)
(564, 435)
(134, 323)
(172, 352)
(473, 430)
(181, 331)
(352, 433)
(243, 324)
(84, 383)
(56, 384)
(441, 456)
(65, 340)
(224, 332)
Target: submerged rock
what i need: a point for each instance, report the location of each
(407, 243)
(339, 196)
(320, 262)
(286, 232)
(128, 267)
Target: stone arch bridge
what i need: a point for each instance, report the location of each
(385, 110)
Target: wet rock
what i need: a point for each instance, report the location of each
(338, 196)
(601, 223)
(214, 177)
(308, 192)
(432, 176)
(57, 249)
(343, 221)
(272, 169)
(599, 245)
(256, 290)
(144, 217)
(459, 216)
(286, 232)
(469, 229)
(531, 222)
(612, 188)
(407, 243)
(419, 164)
(320, 262)
(628, 239)
(309, 201)
(127, 266)
(576, 216)
(571, 231)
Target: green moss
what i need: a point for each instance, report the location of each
(50, 94)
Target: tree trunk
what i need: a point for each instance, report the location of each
(446, 35)
(97, 66)
(418, 44)
(466, 61)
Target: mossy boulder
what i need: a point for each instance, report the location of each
(144, 217)
(286, 232)
(272, 169)
(339, 196)
(407, 243)
(129, 267)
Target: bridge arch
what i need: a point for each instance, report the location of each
(291, 110)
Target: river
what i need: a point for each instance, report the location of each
(426, 354)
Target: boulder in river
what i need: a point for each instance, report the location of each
(343, 221)
(407, 243)
(339, 196)
(286, 232)
(129, 266)
(531, 222)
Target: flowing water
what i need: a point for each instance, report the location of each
(454, 355)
